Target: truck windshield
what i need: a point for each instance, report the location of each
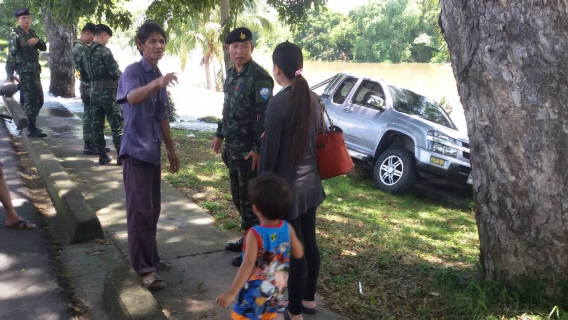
(408, 102)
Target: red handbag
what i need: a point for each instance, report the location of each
(331, 151)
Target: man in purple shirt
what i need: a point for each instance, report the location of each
(142, 93)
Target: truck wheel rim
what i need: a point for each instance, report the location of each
(391, 170)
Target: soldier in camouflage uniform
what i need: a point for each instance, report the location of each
(79, 46)
(103, 72)
(248, 88)
(23, 46)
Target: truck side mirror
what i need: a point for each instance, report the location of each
(376, 101)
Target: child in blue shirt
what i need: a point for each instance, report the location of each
(263, 276)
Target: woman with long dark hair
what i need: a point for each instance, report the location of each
(293, 120)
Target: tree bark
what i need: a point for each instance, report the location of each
(225, 9)
(509, 59)
(60, 38)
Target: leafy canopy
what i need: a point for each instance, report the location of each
(7, 21)
(293, 12)
(69, 12)
(379, 31)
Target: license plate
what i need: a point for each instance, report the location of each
(470, 179)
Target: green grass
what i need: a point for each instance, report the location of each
(413, 257)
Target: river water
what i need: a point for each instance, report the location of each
(432, 80)
(193, 101)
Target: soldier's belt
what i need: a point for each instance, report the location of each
(85, 83)
(104, 84)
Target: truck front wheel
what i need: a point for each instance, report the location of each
(395, 171)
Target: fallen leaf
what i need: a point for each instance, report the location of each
(435, 294)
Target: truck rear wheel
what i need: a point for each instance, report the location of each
(395, 171)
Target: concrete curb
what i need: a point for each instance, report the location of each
(16, 111)
(125, 298)
(79, 218)
(123, 295)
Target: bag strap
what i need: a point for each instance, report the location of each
(323, 124)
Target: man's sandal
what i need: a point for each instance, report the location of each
(153, 281)
(162, 265)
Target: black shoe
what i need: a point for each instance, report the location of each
(34, 131)
(89, 150)
(235, 246)
(107, 149)
(104, 159)
(36, 134)
(118, 159)
(103, 156)
(237, 261)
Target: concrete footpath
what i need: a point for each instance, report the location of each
(99, 269)
(28, 283)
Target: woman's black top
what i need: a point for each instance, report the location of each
(275, 153)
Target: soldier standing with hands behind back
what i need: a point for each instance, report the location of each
(103, 72)
(247, 89)
(23, 46)
(79, 46)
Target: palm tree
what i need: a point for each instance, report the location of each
(204, 32)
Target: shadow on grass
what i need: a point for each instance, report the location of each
(381, 254)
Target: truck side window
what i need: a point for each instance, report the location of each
(367, 89)
(343, 90)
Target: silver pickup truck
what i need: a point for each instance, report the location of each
(401, 133)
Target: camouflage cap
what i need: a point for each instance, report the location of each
(103, 27)
(22, 12)
(241, 34)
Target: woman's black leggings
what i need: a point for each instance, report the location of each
(304, 272)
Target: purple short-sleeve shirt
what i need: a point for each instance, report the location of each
(142, 137)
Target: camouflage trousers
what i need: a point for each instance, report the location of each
(87, 113)
(103, 104)
(33, 93)
(241, 173)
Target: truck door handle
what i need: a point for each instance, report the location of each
(347, 109)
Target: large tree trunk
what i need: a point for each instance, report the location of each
(60, 37)
(510, 62)
(225, 8)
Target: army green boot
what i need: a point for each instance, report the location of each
(118, 160)
(34, 131)
(89, 149)
(104, 158)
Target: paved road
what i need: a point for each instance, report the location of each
(28, 283)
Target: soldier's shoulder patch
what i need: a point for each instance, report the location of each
(263, 90)
(265, 93)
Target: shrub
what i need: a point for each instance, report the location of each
(173, 114)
